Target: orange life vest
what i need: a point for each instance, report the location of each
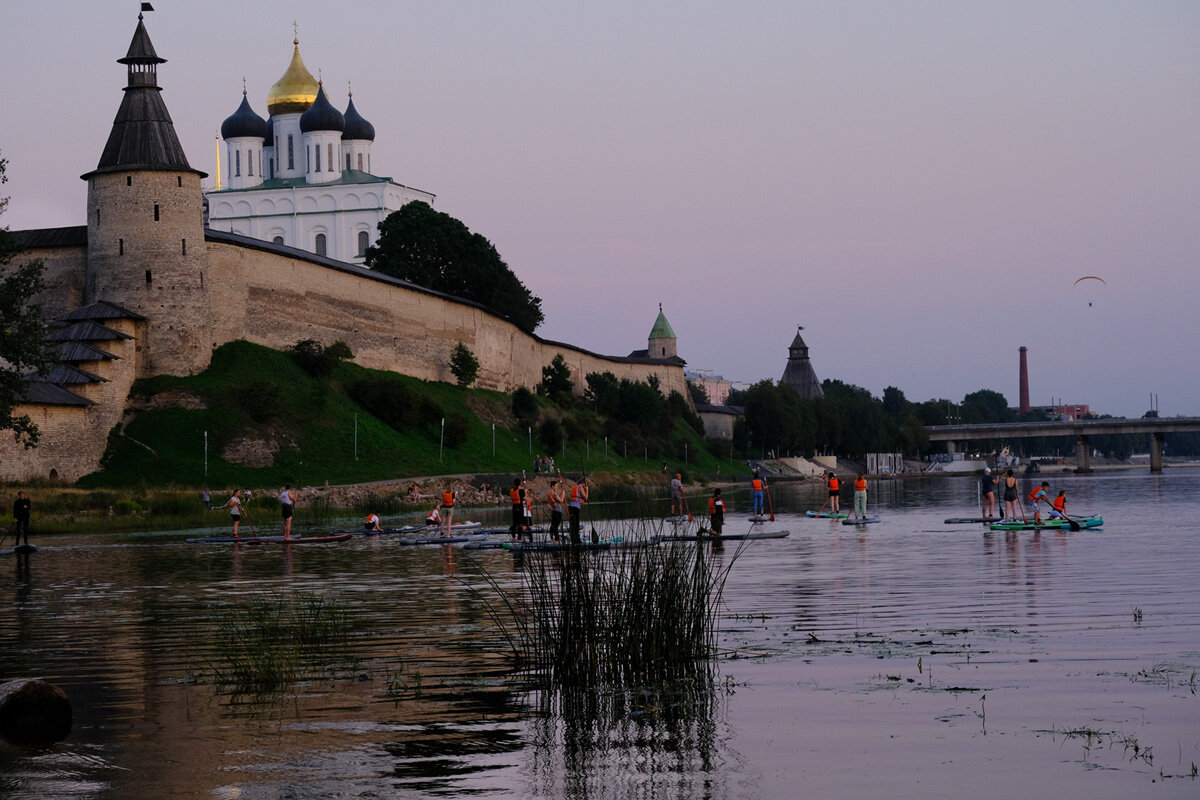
(714, 505)
(515, 494)
(756, 484)
(448, 499)
(1033, 496)
(575, 496)
(834, 485)
(860, 485)
(1060, 503)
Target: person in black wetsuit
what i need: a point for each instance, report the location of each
(21, 508)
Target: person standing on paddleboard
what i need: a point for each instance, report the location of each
(555, 499)
(835, 488)
(987, 492)
(677, 495)
(757, 484)
(716, 512)
(1037, 497)
(517, 495)
(579, 496)
(21, 509)
(234, 504)
(1010, 495)
(287, 504)
(448, 497)
(860, 496)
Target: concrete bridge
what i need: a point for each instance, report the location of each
(1082, 430)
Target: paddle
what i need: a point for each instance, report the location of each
(248, 522)
(767, 489)
(688, 510)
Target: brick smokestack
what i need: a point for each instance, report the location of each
(1024, 404)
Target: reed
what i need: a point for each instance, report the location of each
(638, 614)
(273, 640)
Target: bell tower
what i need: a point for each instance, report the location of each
(145, 220)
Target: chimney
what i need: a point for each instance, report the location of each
(1024, 403)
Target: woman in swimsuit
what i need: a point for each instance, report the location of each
(1010, 495)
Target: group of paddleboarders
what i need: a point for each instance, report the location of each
(1012, 498)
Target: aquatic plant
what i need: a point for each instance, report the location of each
(639, 613)
(274, 639)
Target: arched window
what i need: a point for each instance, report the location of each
(317, 168)
(237, 160)
(347, 161)
(330, 160)
(364, 241)
(320, 249)
(250, 163)
(360, 169)
(277, 240)
(291, 160)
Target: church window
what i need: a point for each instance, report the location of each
(363, 241)
(277, 240)
(237, 161)
(360, 169)
(320, 244)
(347, 161)
(250, 163)
(271, 167)
(291, 161)
(317, 161)
(156, 212)
(330, 162)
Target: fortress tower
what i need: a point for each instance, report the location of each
(661, 343)
(799, 372)
(145, 223)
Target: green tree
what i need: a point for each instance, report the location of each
(464, 365)
(23, 346)
(985, 405)
(698, 393)
(524, 406)
(603, 392)
(556, 382)
(318, 360)
(437, 251)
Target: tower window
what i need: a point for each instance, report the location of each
(120, 247)
(237, 164)
(184, 246)
(129, 180)
(347, 161)
(97, 217)
(149, 279)
(317, 148)
(320, 248)
(363, 241)
(278, 240)
(271, 166)
(179, 181)
(330, 161)
(360, 169)
(156, 212)
(307, 158)
(291, 161)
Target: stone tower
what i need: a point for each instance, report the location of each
(145, 222)
(799, 372)
(661, 343)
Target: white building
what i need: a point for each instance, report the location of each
(303, 178)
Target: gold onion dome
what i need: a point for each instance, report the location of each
(296, 90)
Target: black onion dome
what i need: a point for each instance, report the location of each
(321, 115)
(244, 123)
(356, 126)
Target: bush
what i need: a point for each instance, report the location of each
(389, 400)
(550, 433)
(524, 406)
(126, 507)
(458, 430)
(318, 360)
(260, 400)
(464, 365)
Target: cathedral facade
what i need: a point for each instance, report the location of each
(303, 177)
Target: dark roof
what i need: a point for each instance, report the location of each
(706, 408)
(143, 136)
(643, 357)
(65, 373)
(101, 310)
(78, 352)
(356, 126)
(141, 49)
(321, 115)
(74, 236)
(85, 331)
(244, 123)
(348, 177)
(49, 394)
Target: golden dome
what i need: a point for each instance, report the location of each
(296, 90)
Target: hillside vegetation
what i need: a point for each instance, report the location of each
(275, 417)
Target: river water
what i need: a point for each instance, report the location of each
(907, 659)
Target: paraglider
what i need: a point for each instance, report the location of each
(1101, 281)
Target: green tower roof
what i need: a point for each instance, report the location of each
(662, 328)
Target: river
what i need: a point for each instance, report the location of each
(905, 659)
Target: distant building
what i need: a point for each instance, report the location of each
(716, 388)
(660, 345)
(799, 373)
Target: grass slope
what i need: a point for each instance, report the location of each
(253, 394)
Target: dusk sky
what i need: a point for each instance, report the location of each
(918, 184)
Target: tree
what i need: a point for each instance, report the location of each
(437, 251)
(464, 365)
(698, 393)
(23, 346)
(318, 360)
(556, 382)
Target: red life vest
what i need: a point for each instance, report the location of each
(756, 484)
(834, 485)
(860, 485)
(714, 505)
(515, 494)
(448, 499)
(1033, 496)
(1060, 503)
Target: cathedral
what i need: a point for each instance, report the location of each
(303, 177)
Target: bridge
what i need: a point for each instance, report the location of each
(1081, 429)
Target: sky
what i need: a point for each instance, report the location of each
(918, 184)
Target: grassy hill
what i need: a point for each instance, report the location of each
(269, 422)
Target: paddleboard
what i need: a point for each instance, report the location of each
(474, 537)
(486, 545)
(866, 521)
(1050, 524)
(965, 520)
(334, 537)
(19, 549)
(758, 519)
(825, 515)
(734, 537)
(543, 547)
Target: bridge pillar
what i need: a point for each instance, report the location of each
(1083, 453)
(951, 447)
(1156, 448)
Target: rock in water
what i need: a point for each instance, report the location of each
(34, 712)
